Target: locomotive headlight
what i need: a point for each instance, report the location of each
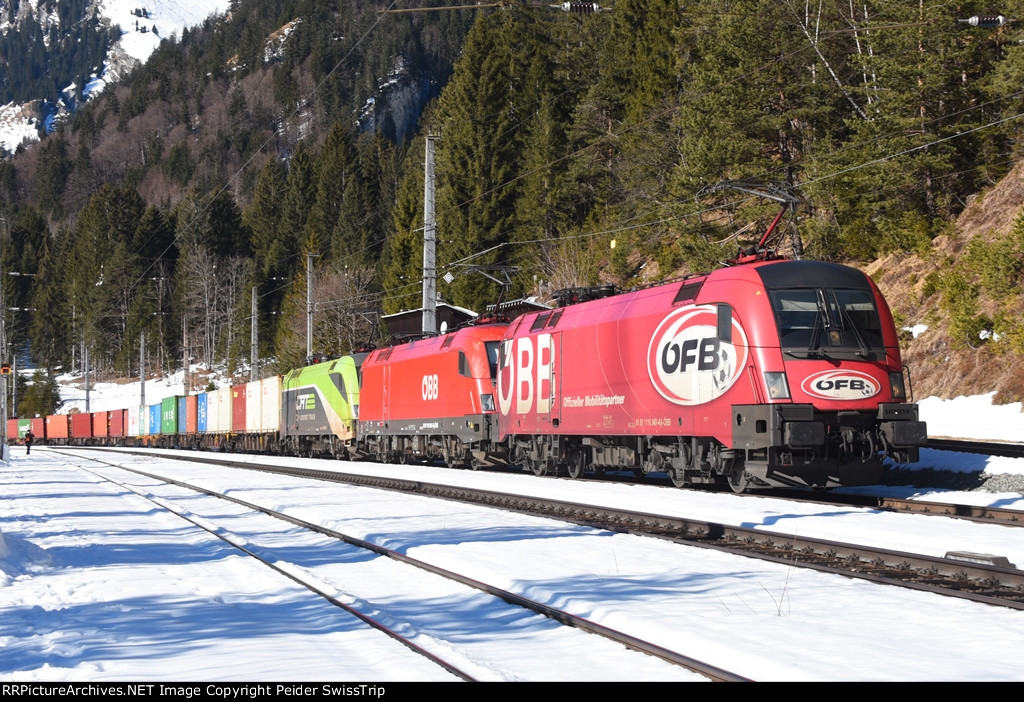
(487, 402)
(899, 390)
(778, 388)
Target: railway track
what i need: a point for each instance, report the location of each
(274, 559)
(967, 576)
(989, 448)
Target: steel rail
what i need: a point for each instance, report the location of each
(714, 673)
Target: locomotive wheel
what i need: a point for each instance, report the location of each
(678, 477)
(577, 465)
(539, 467)
(738, 479)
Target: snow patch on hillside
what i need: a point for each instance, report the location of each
(144, 24)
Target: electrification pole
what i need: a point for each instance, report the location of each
(309, 305)
(429, 243)
(253, 341)
(142, 369)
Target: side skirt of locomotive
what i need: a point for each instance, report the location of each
(687, 460)
(460, 442)
(773, 446)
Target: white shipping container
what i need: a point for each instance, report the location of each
(253, 400)
(134, 413)
(223, 423)
(270, 407)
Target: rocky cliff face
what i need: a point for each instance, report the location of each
(395, 109)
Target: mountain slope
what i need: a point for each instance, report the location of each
(37, 29)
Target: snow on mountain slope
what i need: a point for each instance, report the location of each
(144, 24)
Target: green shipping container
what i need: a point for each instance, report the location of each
(169, 416)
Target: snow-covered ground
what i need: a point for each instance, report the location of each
(97, 584)
(163, 18)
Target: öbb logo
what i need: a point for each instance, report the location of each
(686, 361)
(525, 378)
(841, 385)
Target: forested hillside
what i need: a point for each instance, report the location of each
(42, 58)
(576, 147)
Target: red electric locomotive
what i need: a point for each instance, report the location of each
(773, 373)
(432, 398)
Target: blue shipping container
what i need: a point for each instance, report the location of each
(182, 414)
(154, 418)
(201, 413)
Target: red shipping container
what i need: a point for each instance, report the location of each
(117, 422)
(192, 414)
(100, 424)
(238, 408)
(58, 426)
(81, 425)
(36, 424)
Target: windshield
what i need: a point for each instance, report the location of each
(817, 322)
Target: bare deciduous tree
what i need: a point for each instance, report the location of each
(212, 290)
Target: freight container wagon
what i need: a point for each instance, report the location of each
(16, 428)
(270, 405)
(202, 412)
(118, 423)
(238, 408)
(182, 419)
(81, 428)
(58, 429)
(169, 416)
(152, 422)
(101, 425)
(135, 417)
(222, 417)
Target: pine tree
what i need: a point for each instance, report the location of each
(402, 261)
(50, 331)
(333, 168)
(477, 156)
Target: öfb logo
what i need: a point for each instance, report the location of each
(841, 385)
(686, 361)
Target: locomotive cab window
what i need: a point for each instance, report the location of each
(815, 322)
(492, 357)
